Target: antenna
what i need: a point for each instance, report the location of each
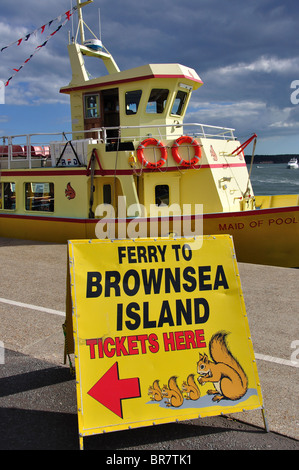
(72, 21)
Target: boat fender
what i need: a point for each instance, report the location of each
(156, 143)
(185, 139)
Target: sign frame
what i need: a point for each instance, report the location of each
(122, 354)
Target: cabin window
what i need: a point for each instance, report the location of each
(107, 194)
(39, 197)
(157, 101)
(92, 106)
(132, 101)
(179, 102)
(8, 196)
(162, 195)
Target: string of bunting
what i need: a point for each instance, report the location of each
(67, 14)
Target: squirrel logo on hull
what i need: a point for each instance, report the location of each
(70, 193)
(224, 371)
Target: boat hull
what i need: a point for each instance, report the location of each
(266, 236)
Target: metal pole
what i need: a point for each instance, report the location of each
(80, 17)
(265, 420)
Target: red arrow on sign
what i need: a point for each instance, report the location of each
(110, 390)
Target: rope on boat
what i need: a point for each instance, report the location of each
(251, 164)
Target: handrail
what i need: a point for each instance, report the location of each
(24, 150)
(225, 129)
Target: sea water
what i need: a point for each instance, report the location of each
(274, 178)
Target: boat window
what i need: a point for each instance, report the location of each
(162, 195)
(107, 194)
(39, 197)
(91, 106)
(132, 101)
(8, 196)
(178, 105)
(157, 101)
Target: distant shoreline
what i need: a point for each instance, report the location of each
(270, 158)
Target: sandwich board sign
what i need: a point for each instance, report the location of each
(159, 331)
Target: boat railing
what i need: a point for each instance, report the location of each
(209, 131)
(36, 150)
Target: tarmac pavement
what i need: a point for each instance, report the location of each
(37, 392)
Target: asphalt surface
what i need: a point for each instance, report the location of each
(38, 394)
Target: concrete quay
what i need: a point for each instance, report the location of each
(37, 393)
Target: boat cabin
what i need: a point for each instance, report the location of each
(141, 98)
(128, 139)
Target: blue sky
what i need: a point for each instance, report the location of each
(246, 53)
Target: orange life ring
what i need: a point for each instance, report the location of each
(156, 143)
(185, 139)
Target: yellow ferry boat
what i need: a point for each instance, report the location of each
(132, 167)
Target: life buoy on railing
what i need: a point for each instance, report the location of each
(185, 139)
(155, 143)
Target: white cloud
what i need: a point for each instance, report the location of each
(3, 118)
(246, 117)
(239, 115)
(39, 80)
(237, 109)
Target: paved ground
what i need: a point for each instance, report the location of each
(37, 393)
